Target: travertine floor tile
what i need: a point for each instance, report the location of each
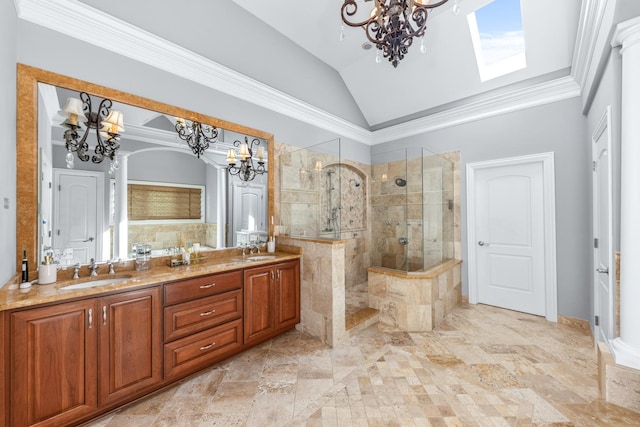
(484, 366)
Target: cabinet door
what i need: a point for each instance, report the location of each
(130, 343)
(259, 293)
(287, 295)
(53, 364)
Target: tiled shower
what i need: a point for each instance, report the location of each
(396, 213)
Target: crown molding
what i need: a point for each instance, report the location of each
(73, 18)
(533, 96)
(591, 19)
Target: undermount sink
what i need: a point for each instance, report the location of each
(98, 282)
(261, 257)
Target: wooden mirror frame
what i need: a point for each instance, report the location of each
(27, 146)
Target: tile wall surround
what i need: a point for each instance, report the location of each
(415, 301)
(300, 175)
(616, 383)
(303, 207)
(163, 236)
(322, 288)
(429, 220)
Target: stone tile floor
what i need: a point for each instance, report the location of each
(484, 366)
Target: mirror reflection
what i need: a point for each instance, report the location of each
(167, 182)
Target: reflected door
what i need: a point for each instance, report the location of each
(77, 213)
(249, 208)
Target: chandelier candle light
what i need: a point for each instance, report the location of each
(197, 136)
(247, 170)
(107, 123)
(392, 24)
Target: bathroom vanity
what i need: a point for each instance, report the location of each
(70, 355)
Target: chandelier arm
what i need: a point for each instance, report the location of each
(353, 9)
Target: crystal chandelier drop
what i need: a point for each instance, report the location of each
(107, 123)
(251, 159)
(197, 135)
(392, 24)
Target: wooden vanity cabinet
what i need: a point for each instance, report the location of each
(130, 345)
(202, 322)
(54, 371)
(71, 360)
(271, 299)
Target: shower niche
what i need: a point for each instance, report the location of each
(342, 200)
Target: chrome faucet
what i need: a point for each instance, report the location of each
(76, 270)
(93, 266)
(111, 263)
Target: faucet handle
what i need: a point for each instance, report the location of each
(76, 270)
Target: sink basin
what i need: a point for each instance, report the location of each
(261, 257)
(98, 282)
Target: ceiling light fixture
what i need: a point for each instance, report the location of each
(197, 135)
(107, 123)
(392, 24)
(247, 170)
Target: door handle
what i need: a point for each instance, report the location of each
(481, 243)
(602, 270)
(90, 239)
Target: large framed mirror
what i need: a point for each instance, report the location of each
(151, 156)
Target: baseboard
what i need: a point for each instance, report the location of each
(579, 325)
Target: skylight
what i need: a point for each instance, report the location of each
(498, 38)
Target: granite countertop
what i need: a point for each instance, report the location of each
(12, 297)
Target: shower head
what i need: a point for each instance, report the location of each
(401, 182)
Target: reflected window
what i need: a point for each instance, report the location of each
(152, 202)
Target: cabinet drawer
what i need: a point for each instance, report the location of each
(198, 287)
(194, 316)
(197, 351)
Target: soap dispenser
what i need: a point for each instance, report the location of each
(48, 271)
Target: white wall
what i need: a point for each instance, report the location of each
(558, 128)
(8, 54)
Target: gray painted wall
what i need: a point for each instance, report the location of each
(558, 128)
(166, 166)
(40, 48)
(233, 31)
(8, 54)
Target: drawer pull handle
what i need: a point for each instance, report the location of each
(90, 318)
(104, 314)
(210, 285)
(207, 313)
(207, 347)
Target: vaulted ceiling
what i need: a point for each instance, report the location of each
(287, 56)
(446, 73)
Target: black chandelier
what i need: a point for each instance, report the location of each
(392, 24)
(107, 123)
(197, 136)
(247, 170)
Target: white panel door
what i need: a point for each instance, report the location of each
(603, 231)
(77, 214)
(249, 208)
(509, 230)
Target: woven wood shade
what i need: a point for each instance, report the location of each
(157, 202)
